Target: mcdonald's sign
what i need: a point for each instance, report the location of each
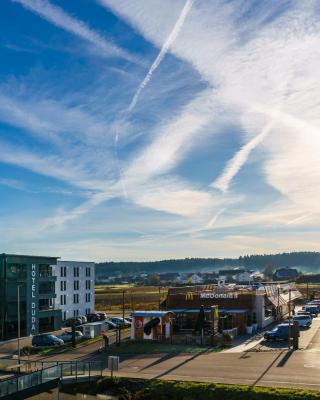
(189, 296)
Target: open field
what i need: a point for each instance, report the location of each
(110, 298)
(314, 287)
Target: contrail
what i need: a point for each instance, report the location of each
(164, 49)
(240, 158)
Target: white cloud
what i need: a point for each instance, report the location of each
(63, 20)
(164, 49)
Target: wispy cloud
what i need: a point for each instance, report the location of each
(60, 18)
(164, 49)
(239, 159)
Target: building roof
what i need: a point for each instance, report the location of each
(152, 314)
(221, 310)
(26, 256)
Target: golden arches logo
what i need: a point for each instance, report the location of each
(189, 296)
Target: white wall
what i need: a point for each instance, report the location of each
(82, 307)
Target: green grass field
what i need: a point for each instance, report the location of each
(136, 348)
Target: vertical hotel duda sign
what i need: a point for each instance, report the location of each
(33, 300)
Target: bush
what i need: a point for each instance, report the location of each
(139, 389)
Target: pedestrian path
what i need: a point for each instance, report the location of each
(245, 343)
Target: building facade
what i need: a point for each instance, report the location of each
(75, 288)
(34, 277)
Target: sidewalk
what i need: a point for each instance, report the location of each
(245, 343)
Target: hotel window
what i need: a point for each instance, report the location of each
(63, 299)
(63, 286)
(63, 272)
(88, 297)
(88, 285)
(76, 298)
(75, 313)
(88, 271)
(76, 272)
(64, 315)
(76, 285)
(88, 311)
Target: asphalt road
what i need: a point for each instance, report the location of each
(300, 369)
(279, 368)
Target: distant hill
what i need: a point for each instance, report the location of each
(303, 260)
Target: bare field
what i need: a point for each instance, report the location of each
(312, 287)
(110, 298)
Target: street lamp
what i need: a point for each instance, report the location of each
(19, 333)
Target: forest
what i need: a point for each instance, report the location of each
(303, 260)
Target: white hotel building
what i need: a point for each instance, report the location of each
(74, 288)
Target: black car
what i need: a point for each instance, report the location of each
(75, 321)
(94, 317)
(46, 340)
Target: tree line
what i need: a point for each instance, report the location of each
(304, 260)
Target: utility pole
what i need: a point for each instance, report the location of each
(19, 333)
(289, 326)
(123, 305)
(278, 307)
(159, 299)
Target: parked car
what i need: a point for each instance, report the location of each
(67, 336)
(120, 321)
(46, 340)
(84, 319)
(102, 316)
(304, 320)
(303, 312)
(110, 325)
(280, 332)
(73, 321)
(311, 308)
(93, 317)
(314, 303)
(129, 319)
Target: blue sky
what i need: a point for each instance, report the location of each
(148, 129)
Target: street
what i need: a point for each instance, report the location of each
(275, 368)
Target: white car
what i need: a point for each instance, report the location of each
(67, 336)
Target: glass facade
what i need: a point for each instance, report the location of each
(33, 276)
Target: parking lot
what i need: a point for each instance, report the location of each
(309, 339)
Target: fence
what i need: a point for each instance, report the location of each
(187, 339)
(60, 370)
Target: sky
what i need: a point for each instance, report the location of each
(152, 129)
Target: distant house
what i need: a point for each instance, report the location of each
(286, 273)
(230, 273)
(168, 277)
(195, 278)
(243, 277)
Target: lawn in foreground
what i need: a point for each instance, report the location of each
(140, 389)
(136, 348)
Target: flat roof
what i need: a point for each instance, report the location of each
(220, 310)
(26, 256)
(150, 313)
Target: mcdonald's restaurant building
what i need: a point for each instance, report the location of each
(237, 307)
